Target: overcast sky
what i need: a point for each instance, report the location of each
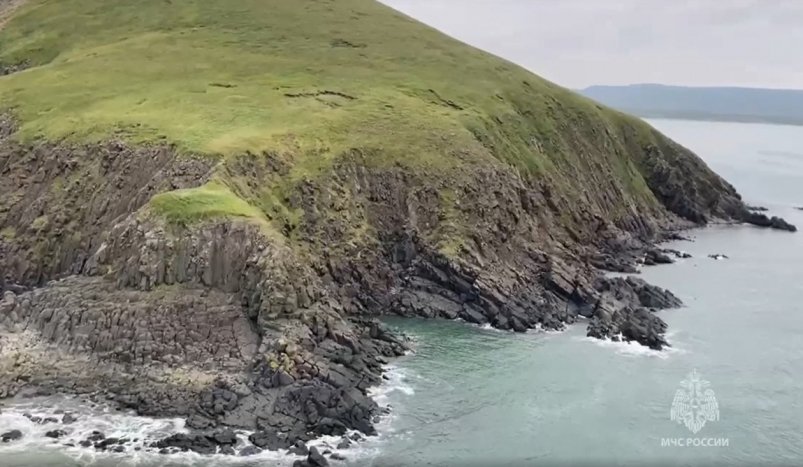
(577, 43)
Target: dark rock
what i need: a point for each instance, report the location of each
(55, 433)
(615, 263)
(196, 443)
(315, 459)
(96, 436)
(329, 426)
(249, 451)
(118, 448)
(227, 450)
(85, 443)
(12, 435)
(103, 445)
(32, 418)
(670, 236)
(632, 324)
(655, 256)
(634, 291)
(337, 457)
(718, 256)
(677, 253)
(199, 422)
(773, 222)
(68, 419)
(225, 437)
(269, 440)
(344, 443)
(299, 448)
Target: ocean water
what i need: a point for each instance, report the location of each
(477, 396)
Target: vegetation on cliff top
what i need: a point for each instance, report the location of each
(311, 79)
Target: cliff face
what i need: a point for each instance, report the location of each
(217, 245)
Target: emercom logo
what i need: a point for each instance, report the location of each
(693, 406)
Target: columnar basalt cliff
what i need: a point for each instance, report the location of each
(229, 268)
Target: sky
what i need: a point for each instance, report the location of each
(577, 43)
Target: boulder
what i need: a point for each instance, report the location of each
(314, 459)
(225, 437)
(12, 435)
(249, 451)
(269, 440)
(299, 448)
(188, 442)
(773, 222)
(68, 419)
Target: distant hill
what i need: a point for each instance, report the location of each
(703, 103)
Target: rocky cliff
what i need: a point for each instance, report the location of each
(218, 245)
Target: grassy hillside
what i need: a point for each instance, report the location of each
(309, 79)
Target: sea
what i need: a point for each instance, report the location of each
(729, 390)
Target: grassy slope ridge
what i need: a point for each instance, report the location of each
(309, 79)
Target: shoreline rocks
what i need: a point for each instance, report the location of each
(773, 222)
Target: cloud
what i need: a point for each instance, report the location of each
(582, 42)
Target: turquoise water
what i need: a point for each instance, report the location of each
(484, 397)
(473, 396)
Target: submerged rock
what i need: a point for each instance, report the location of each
(314, 459)
(249, 451)
(773, 222)
(188, 442)
(677, 253)
(344, 443)
(299, 448)
(55, 433)
(656, 256)
(69, 418)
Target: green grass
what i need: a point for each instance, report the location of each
(205, 202)
(311, 79)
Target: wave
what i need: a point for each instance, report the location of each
(37, 448)
(632, 348)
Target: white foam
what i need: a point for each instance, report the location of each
(396, 380)
(146, 430)
(488, 327)
(633, 348)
